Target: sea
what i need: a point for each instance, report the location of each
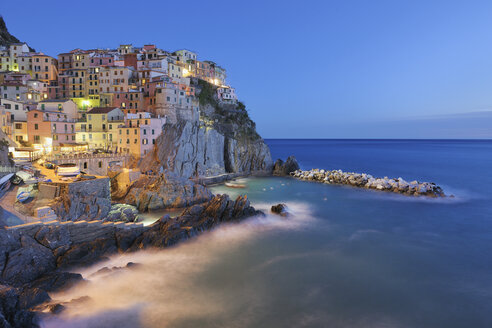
(345, 257)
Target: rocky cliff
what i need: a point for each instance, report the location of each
(223, 140)
(83, 200)
(165, 191)
(37, 258)
(5, 37)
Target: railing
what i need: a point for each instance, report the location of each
(8, 169)
(57, 157)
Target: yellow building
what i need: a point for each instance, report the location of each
(19, 132)
(99, 127)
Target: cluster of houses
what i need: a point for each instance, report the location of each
(100, 99)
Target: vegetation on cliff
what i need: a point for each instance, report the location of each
(231, 120)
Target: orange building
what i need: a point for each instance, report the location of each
(47, 130)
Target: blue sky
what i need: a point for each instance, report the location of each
(313, 69)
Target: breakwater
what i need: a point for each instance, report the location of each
(363, 180)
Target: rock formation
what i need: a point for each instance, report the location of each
(280, 209)
(152, 192)
(223, 140)
(83, 200)
(280, 168)
(220, 141)
(34, 259)
(363, 180)
(5, 37)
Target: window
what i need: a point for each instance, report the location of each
(153, 131)
(37, 138)
(100, 164)
(36, 126)
(18, 126)
(135, 141)
(85, 165)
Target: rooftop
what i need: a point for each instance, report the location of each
(101, 110)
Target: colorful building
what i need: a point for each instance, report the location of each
(99, 127)
(47, 130)
(139, 133)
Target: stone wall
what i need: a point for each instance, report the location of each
(97, 164)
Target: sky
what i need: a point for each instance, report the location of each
(307, 69)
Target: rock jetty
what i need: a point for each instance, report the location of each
(363, 180)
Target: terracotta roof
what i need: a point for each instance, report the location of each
(101, 110)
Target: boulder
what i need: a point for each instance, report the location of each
(280, 209)
(282, 168)
(122, 212)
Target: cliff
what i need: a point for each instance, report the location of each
(223, 140)
(5, 37)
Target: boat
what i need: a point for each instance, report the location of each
(23, 196)
(24, 193)
(235, 185)
(5, 182)
(68, 169)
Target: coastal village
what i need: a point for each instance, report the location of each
(112, 101)
(87, 112)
